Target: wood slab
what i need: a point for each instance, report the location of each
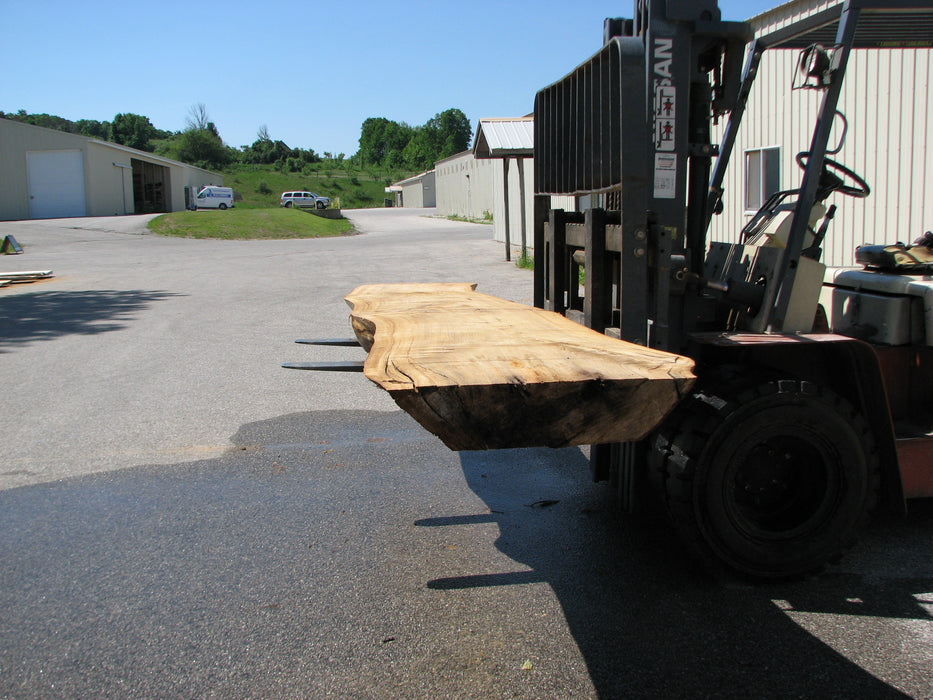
(485, 373)
(26, 275)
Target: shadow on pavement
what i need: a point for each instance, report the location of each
(649, 622)
(341, 554)
(46, 315)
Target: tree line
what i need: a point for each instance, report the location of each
(397, 145)
(384, 143)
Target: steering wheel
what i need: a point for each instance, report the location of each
(835, 170)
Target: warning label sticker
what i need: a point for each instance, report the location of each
(665, 113)
(665, 175)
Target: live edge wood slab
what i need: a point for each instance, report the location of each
(485, 373)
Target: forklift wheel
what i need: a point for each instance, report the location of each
(772, 481)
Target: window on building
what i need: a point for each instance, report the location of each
(762, 176)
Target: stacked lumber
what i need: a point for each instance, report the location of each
(23, 277)
(483, 373)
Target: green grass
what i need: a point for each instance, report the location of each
(261, 185)
(525, 262)
(486, 218)
(248, 224)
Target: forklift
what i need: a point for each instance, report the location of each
(813, 405)
(810, 406)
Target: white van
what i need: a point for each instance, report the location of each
(214, 198)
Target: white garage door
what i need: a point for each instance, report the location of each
(56, 184)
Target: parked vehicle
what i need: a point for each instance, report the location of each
(304, 199)
(212, 197)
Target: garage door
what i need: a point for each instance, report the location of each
(56, 184)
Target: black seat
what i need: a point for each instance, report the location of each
(905, 259)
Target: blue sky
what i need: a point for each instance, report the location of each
(311, 72)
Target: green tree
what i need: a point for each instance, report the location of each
(49, 121)
(383, 140)
(200, 143)
(372, 140)
(93, 128)
(397, 145)
(422, 150)
(203, 147)
(133, 130)
(453, 132)
(264, 151)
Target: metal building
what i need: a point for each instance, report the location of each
(888, 138)
(417, 191)
(53, 174)
(464, 186)
(494, 180)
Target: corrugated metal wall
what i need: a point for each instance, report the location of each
(460, 196)
(887, 101)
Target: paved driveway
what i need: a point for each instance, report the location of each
(145, 349)
(180, 517)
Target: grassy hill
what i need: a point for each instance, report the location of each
(261, 185)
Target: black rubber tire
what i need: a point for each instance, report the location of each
(222, 206)
(321, 205)
(288, 205)
(771, 481)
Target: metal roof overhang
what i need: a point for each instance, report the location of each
(883, 24)
(502, 138)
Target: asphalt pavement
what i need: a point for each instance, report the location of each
(181, 517)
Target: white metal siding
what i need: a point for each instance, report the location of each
(886, 99)
(413, 195)
(459, 195)
(516, 195)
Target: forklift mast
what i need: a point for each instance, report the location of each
(632, 127)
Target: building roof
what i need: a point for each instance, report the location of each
(411, 180)
(77, 138)
(499, 138)
(883, 24)
(455, 156)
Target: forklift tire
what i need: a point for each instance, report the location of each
(772, 481)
